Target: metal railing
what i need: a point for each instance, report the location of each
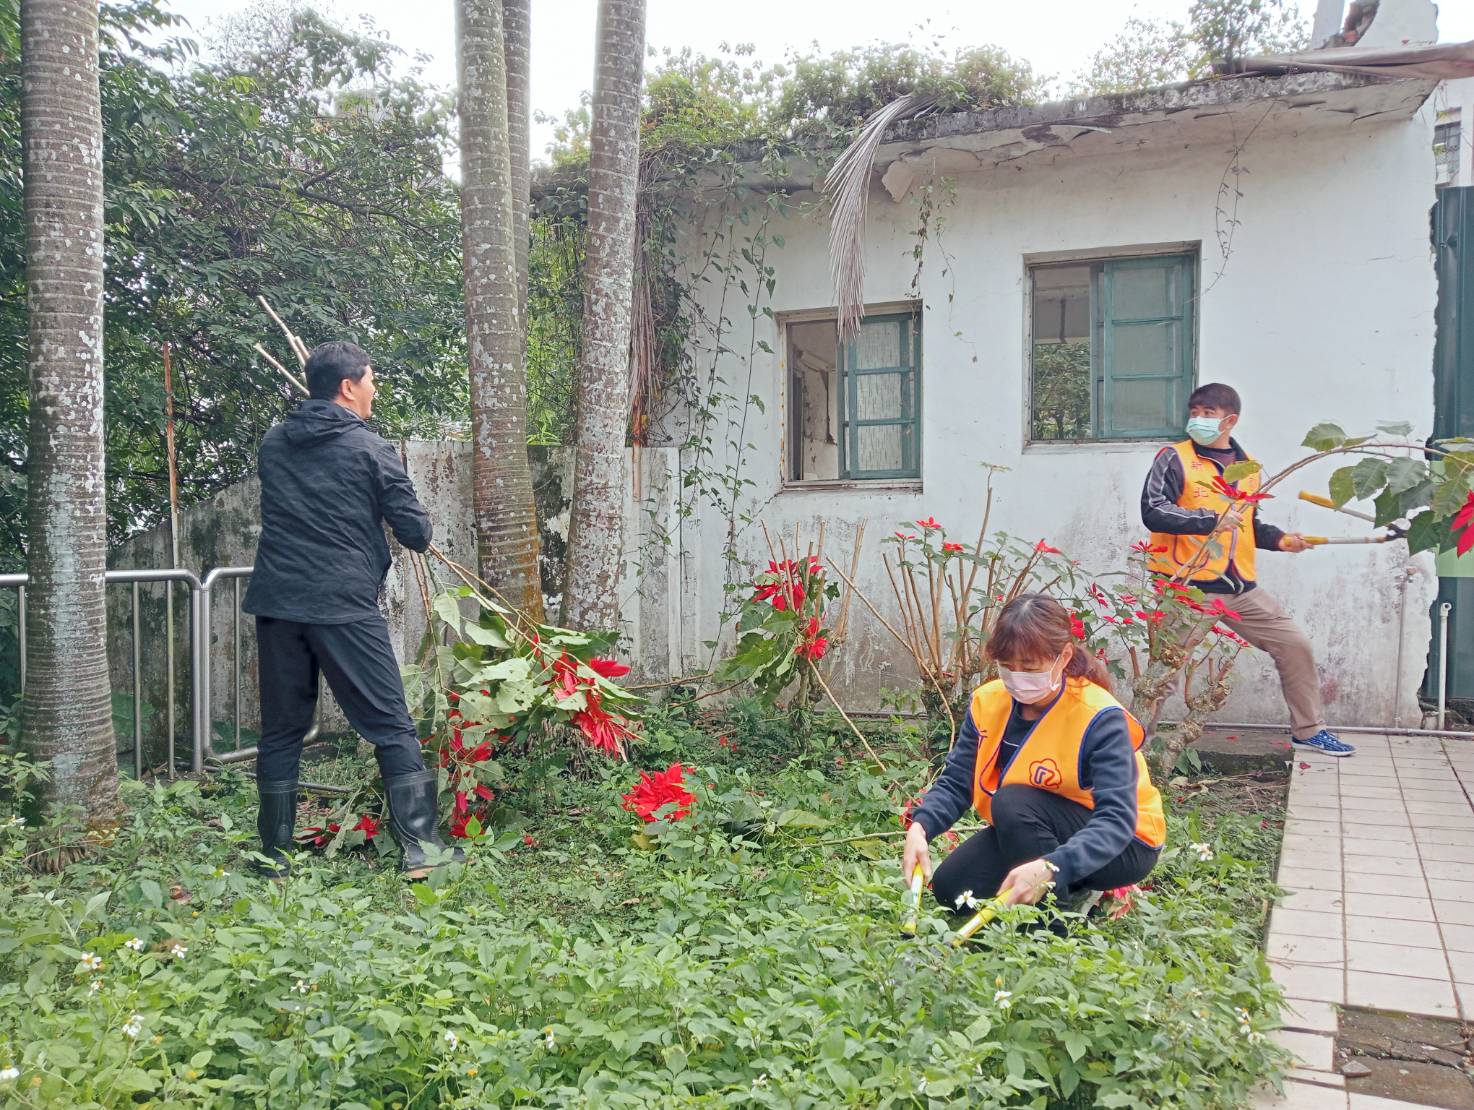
(200, 656)
(204, 751)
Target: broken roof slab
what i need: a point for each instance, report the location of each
(1216, 111)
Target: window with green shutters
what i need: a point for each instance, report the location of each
(855, 408)
(1113, 351)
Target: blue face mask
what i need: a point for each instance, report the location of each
(1203, 430)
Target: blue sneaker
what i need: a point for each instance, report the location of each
(1327, 743)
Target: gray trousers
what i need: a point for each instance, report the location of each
(1269, 628)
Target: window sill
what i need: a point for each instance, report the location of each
(1111, 446)
(875, 485)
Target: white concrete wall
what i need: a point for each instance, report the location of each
(1323, 312)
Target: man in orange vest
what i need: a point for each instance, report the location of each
(1182, 506)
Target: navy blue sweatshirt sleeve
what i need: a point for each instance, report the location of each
(1108, 771)
(951, 795)
(1266, 536)
(1160, 511)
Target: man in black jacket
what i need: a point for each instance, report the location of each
(328, 484)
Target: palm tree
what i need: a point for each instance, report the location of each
(596, 533)
(67, 712)
(502, 502)
(517, 24)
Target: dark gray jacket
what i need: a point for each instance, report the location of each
(328, 484)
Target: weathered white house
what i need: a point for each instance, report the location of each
(1087, 263)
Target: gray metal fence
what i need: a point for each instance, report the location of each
(201, 718)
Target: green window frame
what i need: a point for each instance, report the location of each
(879, 395)
(1143, 347)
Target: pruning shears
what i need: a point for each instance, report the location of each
(985, 914)
(1390, 531)
(913, 903)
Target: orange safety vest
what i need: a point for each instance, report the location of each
(1049, 757)
(1198, 493)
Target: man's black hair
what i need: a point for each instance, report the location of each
(330, 363)
(1215, 395)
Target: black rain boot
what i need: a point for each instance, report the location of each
(413, 820)
(276, 819)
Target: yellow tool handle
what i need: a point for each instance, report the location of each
(981, 918)
(1327, 503)
(1316, 541)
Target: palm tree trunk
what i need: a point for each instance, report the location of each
(517, 21)
(502, 503)
(67, 704)
(596, 530)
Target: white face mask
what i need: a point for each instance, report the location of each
(1031, 687)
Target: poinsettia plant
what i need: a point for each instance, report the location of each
(489, 684)
(781, 626)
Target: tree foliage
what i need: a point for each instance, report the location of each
(1218, 33)
(300, 165)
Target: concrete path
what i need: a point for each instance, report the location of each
(1378, 858)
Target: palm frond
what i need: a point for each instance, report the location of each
(847, 185)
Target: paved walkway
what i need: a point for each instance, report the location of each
(1378, 858)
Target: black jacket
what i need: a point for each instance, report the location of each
(1160, 512)
(327, 483)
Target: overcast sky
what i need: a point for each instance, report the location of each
(1058, 37)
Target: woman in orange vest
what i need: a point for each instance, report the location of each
(1053, 763)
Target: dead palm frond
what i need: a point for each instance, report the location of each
(847, 184)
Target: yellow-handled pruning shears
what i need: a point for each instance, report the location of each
(985, 914)
(1393, 531)
(913, 903)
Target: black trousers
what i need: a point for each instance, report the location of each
(362, 673)
(1029, 823)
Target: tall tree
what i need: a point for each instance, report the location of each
(67, 706)
(502, 503)
(596, 531)
(517, 20)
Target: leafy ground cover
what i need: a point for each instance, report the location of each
(744, 954)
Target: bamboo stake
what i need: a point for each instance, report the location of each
(298, 347)
(262, 351)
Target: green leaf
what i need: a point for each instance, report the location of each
(473, 828)
(1324, 437)
(448, 610)
(1426, 533)
(1404, 474)
(1342, 489)
(800, 819)
(1238, 471)
(487, 637)
(1395, 427)
(134, 1080)
(1449, 497)
(1368, 476)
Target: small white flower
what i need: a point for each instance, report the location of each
(761, 1081)
(1204, 851)
(91, 962)
(548, 1039)
(966, 899)
(9, 1075)
(451, 1040)
(136, 944)
(134, 1026)
(15, 823)
(1256, 1037)
(302, 987)
(221, 873)
(94, 986)
(178, 950)
(1004, 999)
